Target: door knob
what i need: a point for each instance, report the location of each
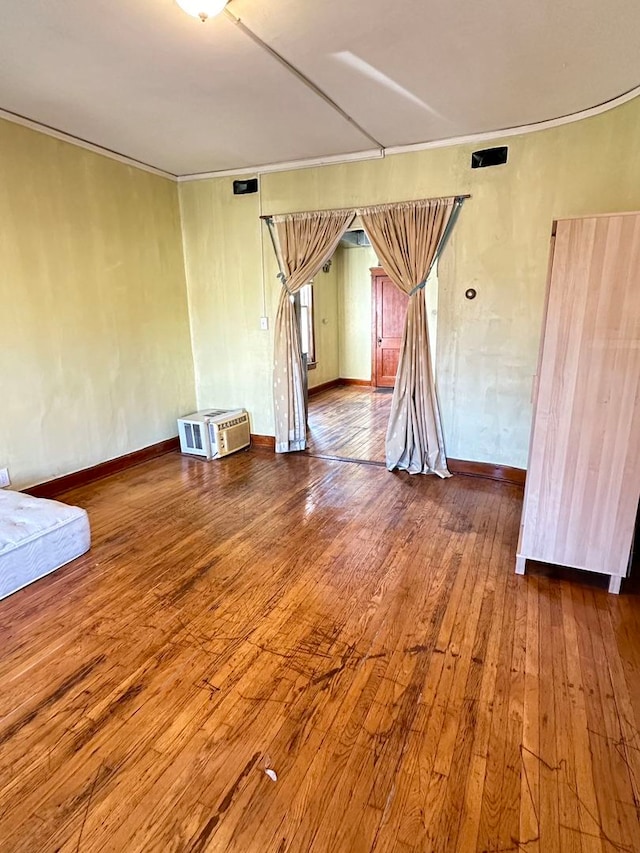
(379, 341)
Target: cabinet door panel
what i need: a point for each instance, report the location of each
(583, 481)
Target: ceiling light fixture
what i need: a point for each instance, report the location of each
(203, 9)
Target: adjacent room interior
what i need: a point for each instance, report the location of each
(320, 427)
(351, 331)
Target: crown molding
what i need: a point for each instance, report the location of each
(378, 154)
(15, 118)
(518, 130)
(308, 163)
(288, 166)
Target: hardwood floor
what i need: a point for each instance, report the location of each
(349, 422)
(360, 633)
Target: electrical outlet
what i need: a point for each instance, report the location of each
(264, 324)
(4, 478)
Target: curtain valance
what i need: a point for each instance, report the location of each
(408, 237)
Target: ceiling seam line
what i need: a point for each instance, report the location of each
(302, 77)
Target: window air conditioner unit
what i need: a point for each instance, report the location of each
(214, 433)
(229, 432)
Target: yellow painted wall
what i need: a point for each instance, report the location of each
(95, 358)
(223, 253)
(355, 312)
(95, 350)
(487, 348)
(326, 288)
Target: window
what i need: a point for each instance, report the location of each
(307, 334)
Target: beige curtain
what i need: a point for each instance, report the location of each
(303, 243)
(406, 237)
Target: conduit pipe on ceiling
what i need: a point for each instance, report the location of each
(300, 76)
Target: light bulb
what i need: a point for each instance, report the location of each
(202, 9)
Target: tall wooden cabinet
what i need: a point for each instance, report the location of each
(583, 478)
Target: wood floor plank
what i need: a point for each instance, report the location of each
(362, 633)
(349, 422)
(444, 697)
(618, 808)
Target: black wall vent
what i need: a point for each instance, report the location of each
(244, 187)
(489, 157)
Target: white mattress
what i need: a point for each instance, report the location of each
(37, 536)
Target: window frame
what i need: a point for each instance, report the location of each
(306, 318)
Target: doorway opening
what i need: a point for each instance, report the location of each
(351, 320)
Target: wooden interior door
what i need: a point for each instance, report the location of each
(389, 308)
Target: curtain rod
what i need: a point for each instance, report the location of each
(356, 207)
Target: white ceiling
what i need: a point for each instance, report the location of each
(141, 78)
